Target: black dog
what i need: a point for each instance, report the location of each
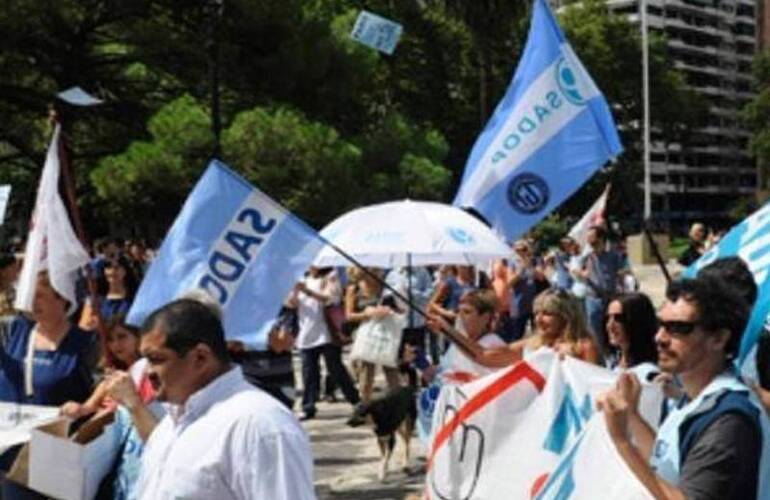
(396, 412)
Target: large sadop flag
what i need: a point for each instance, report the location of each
(238, 245)
(549, 134)
(749, 240)
(52, 244)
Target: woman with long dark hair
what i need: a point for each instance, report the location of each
(631, 325)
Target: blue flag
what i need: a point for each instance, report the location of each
(749, 240)
(235, 243)
(549, 134)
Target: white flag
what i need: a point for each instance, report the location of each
(594, 217)
(52, 244)
(5, 194)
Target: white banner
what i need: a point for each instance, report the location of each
(17, 421)
(531, 432)
(5, 195)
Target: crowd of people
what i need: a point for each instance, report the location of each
(177, 378)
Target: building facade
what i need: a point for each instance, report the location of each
(706, 173)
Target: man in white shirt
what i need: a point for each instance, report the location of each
(311, 296)
(222, 437)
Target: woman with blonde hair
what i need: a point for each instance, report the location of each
(560, 324)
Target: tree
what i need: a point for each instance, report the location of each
(304, 165)
(145, 185)
(757, 116)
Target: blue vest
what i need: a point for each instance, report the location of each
(725, 394)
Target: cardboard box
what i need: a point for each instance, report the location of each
(71, 468)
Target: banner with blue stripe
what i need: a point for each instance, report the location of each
(238, 245)
(550, 133)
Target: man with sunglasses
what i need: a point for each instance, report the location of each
(715, 445)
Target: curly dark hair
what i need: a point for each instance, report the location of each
(735, 272)
(130, 280)
(720, 306)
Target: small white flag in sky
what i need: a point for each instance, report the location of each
(78, 97)
(51, 244)
(376, 32)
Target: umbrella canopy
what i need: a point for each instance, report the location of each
(417, 233)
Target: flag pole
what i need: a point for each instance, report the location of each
(646, 111)
(656, 251)
(68, 179)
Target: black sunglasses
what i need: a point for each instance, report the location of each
(616, 317)
(678, 327)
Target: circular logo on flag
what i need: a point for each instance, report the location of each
(460, 235)
(568, 83)
(528, 193)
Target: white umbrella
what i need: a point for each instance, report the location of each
(416, 233)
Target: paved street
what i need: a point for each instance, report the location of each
(346, 459)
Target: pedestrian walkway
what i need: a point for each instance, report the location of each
(347, 459)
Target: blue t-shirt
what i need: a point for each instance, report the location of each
(603, 272)
(524, 291)
(456, 291)
(57, 376)
(130, 447)
(111, 307)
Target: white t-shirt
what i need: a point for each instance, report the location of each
(454, 360)
(229, 441)
(310, 311)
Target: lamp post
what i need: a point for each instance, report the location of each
(213, 9)
(646, 112)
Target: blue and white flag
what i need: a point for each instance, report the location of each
(376, 32)
(549, 134)
(238, 245)
(5, 195)
(749, 240)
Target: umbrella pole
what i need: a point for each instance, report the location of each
(468, 346)
(409, 288)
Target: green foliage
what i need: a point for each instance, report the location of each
(153, 177)
(318, 121)
(549, 231)
(423, 179)
(757, 112)
(302, 164)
